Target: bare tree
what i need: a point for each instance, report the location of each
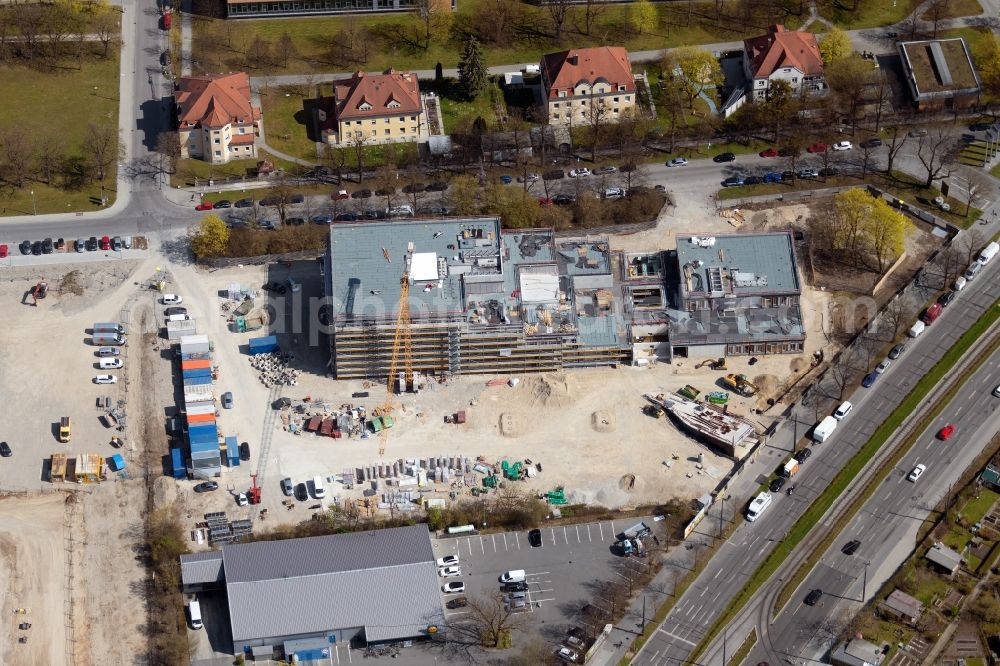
(896, 143)
(971, 243)
(935, 152)
(975, 187)
(895, 315)
(259, 55)
(866, 157)
(592, 12)
(17, 152)
(101, 148)
(105, 26)
(29, 19)
(493, 619)
(936, 12)
(285, 49)
(597, 118)
(881, 91)
(49, 156)
(558, 11)
(359, 143)
(168, 146)
(844, 370)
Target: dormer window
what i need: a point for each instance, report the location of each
(621, 88)
(364, 106)
(393, 104)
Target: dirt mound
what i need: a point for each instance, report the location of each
(550, 390)
(509, 425)
(766, 384)
(798, 364)
(627, 482)
(603, 421)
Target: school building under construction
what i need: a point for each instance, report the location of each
(485, 301)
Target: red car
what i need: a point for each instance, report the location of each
(770, 152)
(340, 196)
(946, 432)
(105, 243)
(204, 205)
(543, 201)
(3, 251)
(816, 148)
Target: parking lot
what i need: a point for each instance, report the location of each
(561, 573)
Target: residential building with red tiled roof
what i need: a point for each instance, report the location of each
(374, 109)
(789, 55)
(580, 83)
(216, 118)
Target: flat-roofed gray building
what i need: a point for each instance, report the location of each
(299, 596)
(940, 74)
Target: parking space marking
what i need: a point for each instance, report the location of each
(553, 536)
(517, 540)
(578, 534)
(588, 532)
(565, 535)
(600, 526)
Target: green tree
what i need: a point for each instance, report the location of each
(641, 17)
(463, 195)
(866, 228)
(700, 70)
(835, 45)
(472, 73)
(210, 238)
(986, 53)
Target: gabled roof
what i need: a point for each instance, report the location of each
(215, 100)
(904, 604)
(944, 557)
(782, 48)
(566, 69)
(370, 95)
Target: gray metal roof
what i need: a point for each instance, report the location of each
(944, 556)
(749, 263)
(201, 568)
(383, 580)
(856, 652)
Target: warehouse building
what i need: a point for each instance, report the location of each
(295, 598)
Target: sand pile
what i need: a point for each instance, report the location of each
(603, 421)
(557, 390)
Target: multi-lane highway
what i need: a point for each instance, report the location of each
(886, 526)
(727, 572)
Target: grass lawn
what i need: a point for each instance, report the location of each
(929, 586)
(957, 8)
(391, 39)
(995, 171)
(189, 169)
(288, 121)
(976, 508)
(455, 107)
(868, 14)
(817, 27)
(36, 102)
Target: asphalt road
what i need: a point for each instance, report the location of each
(886, 526)
(727, 572)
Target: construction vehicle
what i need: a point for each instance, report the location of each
(714, 364)
(652, 410)
(64, 429)
(741, 384)
(39, 291)
(253, 495)
(402, 346)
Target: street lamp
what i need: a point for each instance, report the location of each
(864, 583)
(34, 208)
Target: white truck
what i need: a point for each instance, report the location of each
(758, 506)
(824, 429)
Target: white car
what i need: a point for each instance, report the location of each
(579, 173)
(842, 411)
(677, 161)
(996, 392)
(110, 363)
(241, 499)
(883, 366)
(448, 561)
(105, 379)
(614, 193)
(568, 655)
(917, 472)
(842, 145)
(453, 587)
(172, 299)
(449, 572)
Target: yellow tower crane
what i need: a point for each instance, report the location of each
(402, 345)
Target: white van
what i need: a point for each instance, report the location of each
(110, 363)
(960, 283)
(989, 252)
(917, 328)
(194, 611)
(108, 351)
(758, 505)
(319, 492)
(972, 271)
(178, 317)
(515, 576)
(842, 411)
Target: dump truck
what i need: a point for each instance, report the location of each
(741, 384)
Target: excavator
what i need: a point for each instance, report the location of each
(741, 384)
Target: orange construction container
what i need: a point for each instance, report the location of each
(201, 418)
(195, 364)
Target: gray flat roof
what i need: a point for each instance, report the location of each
(944, 556)
(939, 67)
(747, 264)
(370, 257)
(383, 580)
(201, 568)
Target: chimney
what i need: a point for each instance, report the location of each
(573, 59)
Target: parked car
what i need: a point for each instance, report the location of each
(321, 219)
(204, 205)
(946, 298)
(564, 199)
(770, 152)
(869, 379)
(105, 379)
(817, 147)
(449, 572)
(772, 177)
(980, 127)
(441, 186)
(842, 411)
(813, 597)
(917, 472)
(92, 244)
(223, 203)
(25, 247)
(447, 561)
(457, 602)
(47, 246)
(270, 201)
(3, 250)
(752, 180)
(606, 169)
(777, 484)
(80, 245)
(453, 587)
(546, 201)
(340, 195)
(579, 173)
(872, 143)
(569, 655)
(404, 210)
(244, 203)
(206, 487)
(826, 172)
(677, 161)
(897, 351)
(105, 243)
(842, 145)
(507, 180)
(227, 400)
(414, 188)
(917, 133)
(807, 173)
(301, 492)
(851, 547)
(883, 366)
(286, 487)
(171, 299)
(724, 157)
(733, 181)
(515, 586)
(614, 193)
(5, 450)
(554, 174)
(803, 455)
(244, 451)
(36, 248)
(535, 538)
(946, 432)
(346, 217)
(241, 500)
(297, 199)
(110, 363)
(363, 193)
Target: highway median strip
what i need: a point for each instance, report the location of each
(814, 514)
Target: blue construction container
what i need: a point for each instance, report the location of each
(233, 451)
(196, 372)
(268, 343)
(177, 462)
